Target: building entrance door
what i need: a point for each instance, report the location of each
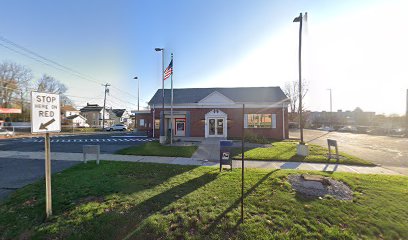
(180, 127)
(216, 127)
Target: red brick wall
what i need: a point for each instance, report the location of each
(234, 124)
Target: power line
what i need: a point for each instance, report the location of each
(53, 64)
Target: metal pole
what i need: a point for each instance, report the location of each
(48, 199)
(242, 163)
(154, 119)
(163, 118)
(283, 121)
(171, 110)
(136, 123)
(406, 117)
(104, 104)
(300, 79)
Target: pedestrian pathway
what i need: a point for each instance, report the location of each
(203, 162)
(209, 149)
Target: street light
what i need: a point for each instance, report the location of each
(137, 92)
(136, 123)
(162, 132)
(302, 148)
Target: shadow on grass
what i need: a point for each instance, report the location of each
(237, 203)
(162, 200)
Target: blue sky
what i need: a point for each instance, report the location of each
(357, 48)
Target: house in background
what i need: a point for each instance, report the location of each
(77, 121)
(217, 112)
(68, 110)
(120, 116)
(94, 115)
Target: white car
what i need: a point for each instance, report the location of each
(117, 127)
(5, 132)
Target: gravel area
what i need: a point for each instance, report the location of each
(320, 187)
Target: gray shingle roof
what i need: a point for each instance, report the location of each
(118, 112)
(238, 95)
(91, 108)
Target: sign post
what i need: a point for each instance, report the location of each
(46, 118)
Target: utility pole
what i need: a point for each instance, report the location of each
(104, 104)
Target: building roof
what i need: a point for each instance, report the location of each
(75, 116)
(91, 108)
(118, 112)
(68, 108)
(238, 95)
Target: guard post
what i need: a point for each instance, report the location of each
(225, 153)
(333, 143)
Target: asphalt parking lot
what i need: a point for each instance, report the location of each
(389, 152)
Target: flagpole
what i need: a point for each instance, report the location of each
(171, 108)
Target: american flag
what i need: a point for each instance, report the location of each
(169, 70)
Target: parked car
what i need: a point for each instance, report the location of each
(326, 128)
(117, 127)
(5, 132)
(348, 129)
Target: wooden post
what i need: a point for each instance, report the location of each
(48, 199)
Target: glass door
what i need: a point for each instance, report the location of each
(220, 126)
(211, 127)
(180, 127)
(216, 127)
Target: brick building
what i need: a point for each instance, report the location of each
(217, 112)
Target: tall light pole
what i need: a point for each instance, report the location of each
(104, 105)
(331, 110)
(300, 20)
(162, 131)
(138, 90)
(302, 148)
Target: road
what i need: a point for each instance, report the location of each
(389, 152)
(16, 173)
(108, 142)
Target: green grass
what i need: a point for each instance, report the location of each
(156, 149)
(116, 200)
(286, 151)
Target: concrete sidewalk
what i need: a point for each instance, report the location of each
(202, 162)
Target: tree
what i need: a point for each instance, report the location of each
(291, 89)
(51, 85)
(14, 78)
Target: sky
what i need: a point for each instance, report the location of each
(356, 48)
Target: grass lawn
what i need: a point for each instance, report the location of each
(156, 149)
(118, 200)
(286, 151)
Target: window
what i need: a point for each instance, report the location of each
(157, 124)
(261, 120)
(141, 122)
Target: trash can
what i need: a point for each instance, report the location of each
(225, 153)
